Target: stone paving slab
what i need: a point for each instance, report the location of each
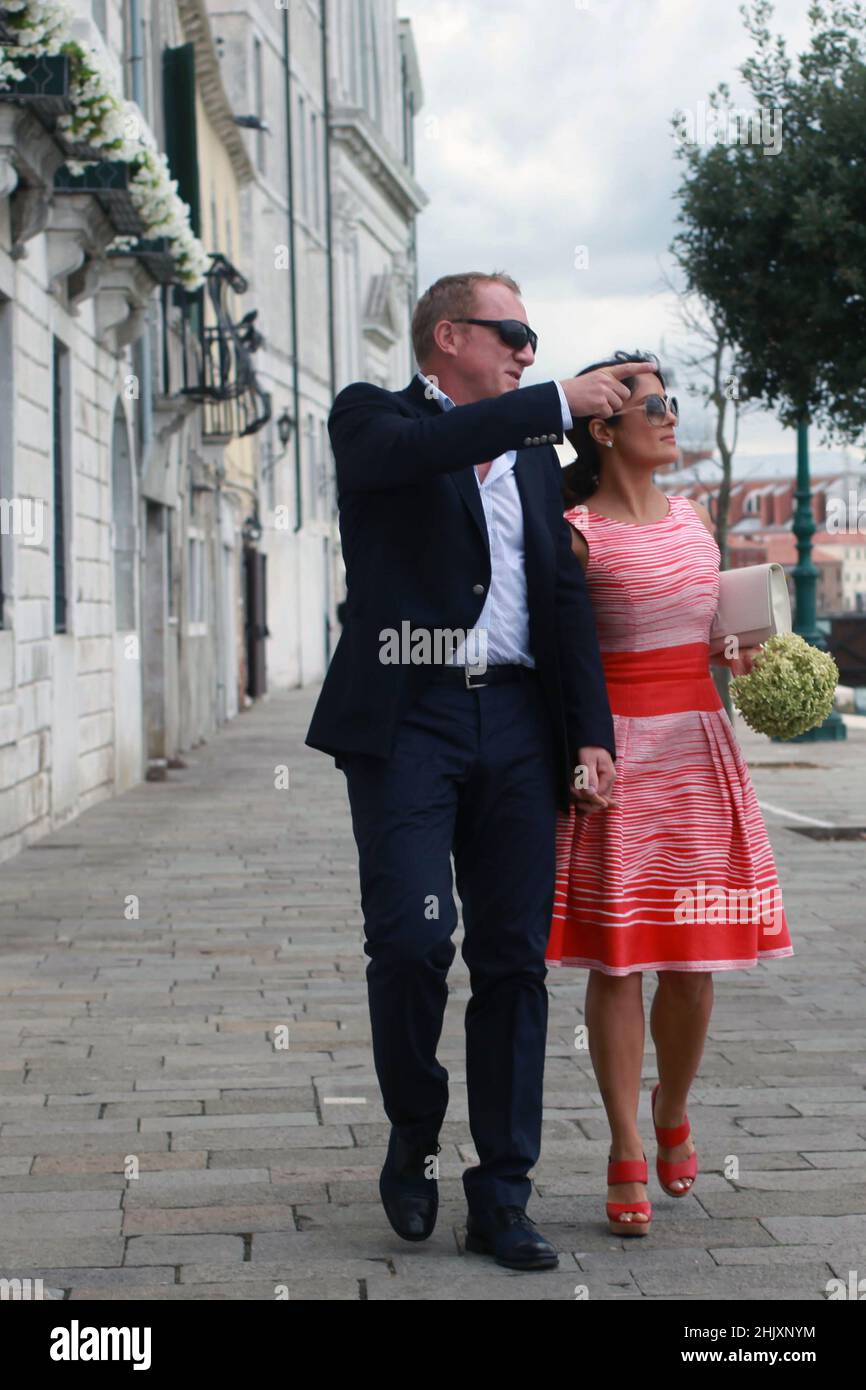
(806, 1281)
(331, 1287)
(127, 1277)
(156, 1038)
(178, 1249)
(79, 1253)
(478, 1284)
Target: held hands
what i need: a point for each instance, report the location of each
(601, 393)
(594, 777)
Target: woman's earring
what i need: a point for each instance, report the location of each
(609, 443)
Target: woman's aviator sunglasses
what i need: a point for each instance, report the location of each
(512, 332)
(656, 408)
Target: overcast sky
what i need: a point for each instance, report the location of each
(546, 128)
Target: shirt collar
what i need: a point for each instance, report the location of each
(445, 401)
(503, 464)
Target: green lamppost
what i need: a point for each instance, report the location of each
(806, 583)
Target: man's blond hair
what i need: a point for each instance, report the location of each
(451, 297)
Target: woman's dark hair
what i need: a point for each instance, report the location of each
(580, 478)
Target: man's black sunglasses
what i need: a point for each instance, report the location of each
(512, 332)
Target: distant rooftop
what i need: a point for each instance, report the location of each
(822, 462)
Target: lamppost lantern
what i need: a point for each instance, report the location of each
(285, 425)
(252, 530)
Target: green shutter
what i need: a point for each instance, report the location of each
(181, 144)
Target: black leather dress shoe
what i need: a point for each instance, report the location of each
(511, 1237)
(410, 1199)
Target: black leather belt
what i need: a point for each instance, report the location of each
(471, 678)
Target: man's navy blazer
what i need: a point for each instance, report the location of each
(416, 550)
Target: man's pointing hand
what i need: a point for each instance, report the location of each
(603, 392)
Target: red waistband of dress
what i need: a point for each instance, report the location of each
(663, 680)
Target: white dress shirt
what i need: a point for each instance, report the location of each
(505, 615)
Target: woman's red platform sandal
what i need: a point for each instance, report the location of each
(668, 1170)
(628, 1170)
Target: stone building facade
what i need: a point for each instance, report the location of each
(168, 539)
(329, 224)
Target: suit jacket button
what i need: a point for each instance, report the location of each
(527, 441)
(478, 588)
(536, 440)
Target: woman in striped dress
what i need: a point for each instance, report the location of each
(675, 873)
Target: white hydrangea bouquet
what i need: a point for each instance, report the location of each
(790, 688)
(103, 121)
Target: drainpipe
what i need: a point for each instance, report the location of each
(408, 105)
(293, 288)
(329, 233)
(145, 366)
(329, 239)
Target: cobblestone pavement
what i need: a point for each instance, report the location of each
(151, 948)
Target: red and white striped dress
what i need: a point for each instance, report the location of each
(681, 876)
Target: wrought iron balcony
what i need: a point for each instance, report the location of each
(108, 181)
(155, 255)
(44, 84)
(217, 357)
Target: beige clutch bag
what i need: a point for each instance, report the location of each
(753, 606)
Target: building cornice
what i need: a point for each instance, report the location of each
(196, 27)
(352, 129)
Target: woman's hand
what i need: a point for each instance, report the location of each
(739, 665)
(594, 777)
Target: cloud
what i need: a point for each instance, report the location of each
(547, 128)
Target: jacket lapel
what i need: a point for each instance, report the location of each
(530, 484)
(537, 541)
(464, 480)
(467, 485)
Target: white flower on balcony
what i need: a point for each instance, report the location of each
(99, 119)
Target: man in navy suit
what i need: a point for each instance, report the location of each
(465, 689)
